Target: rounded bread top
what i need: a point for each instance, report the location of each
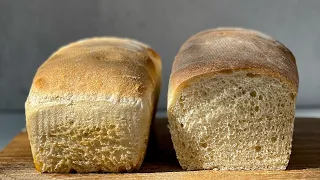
(224, 50)
(104, 65)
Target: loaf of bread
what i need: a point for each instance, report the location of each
(231, 101)
(91, 104)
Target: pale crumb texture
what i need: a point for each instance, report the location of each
(234, 121)
(88, 136)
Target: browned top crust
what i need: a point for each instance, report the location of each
(106, 65)
(224, 50)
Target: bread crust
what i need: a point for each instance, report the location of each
(107, 66)
(88, 83)
(225, 50)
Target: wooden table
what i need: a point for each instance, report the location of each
(16, 160)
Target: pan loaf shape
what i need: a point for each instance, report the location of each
(91, 104)
(231, 101)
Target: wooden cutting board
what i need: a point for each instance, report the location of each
(16, 161)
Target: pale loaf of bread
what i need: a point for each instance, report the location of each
(91, 104)
(231, 101)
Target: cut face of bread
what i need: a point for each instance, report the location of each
(240, 120)
(91, 105)
(90, 135)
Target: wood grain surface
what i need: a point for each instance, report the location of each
(16, 160)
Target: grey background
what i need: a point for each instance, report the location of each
(31, 30)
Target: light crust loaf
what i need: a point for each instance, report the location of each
(91, 104)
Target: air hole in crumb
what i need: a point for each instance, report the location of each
(282, 105)
(260, 97)
(243, 92)
(72, 171)
(251, 114)
(112, 126)
(282, 137)
(246, 101)
(257, 148)
(273, 139)
(292, 96)
(242, 121)
(204, 145)
(256, 108)
(181, 125)
(253, 93)
(183, 145)
(240, 87)
(252, 103)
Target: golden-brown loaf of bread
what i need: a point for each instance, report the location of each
(231, 101)
(91, 104)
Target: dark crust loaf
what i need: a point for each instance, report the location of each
(225, 50)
